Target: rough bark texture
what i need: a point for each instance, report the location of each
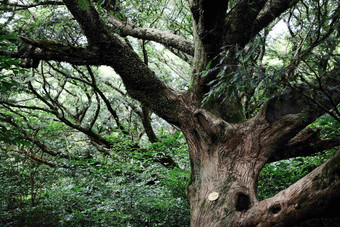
(320, 189)
(140, 82)
(165, 38)
(227, 159)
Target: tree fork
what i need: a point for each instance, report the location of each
(226, 162)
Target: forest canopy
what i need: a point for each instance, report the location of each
(169, 113)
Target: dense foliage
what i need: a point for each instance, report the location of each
(129, 191)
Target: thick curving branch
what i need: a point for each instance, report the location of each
(248, 18)
(49, 50)
(286, 115)
(159, 36)
(141, 83)
(270, 11)
(105, 49)
(89, 20)
(306, 143)
(315, 195)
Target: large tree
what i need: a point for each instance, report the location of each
(237, 114)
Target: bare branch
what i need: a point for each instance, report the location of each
(35, 158)
(107, 102)
(29, 137)
(145, 116)
(152, 34)
(10, 7)
(90, 133)
(96, 114)
(24, 106)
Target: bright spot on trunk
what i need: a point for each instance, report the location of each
(213, 196)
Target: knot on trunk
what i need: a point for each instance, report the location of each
(276, 208)
(243, 202)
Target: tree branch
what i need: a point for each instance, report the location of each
(289, 113)
(90, 133)
(141, 83)
(32, 139)
(162, 37)
(6, 103)
(271, 10)
(304, 144)
(208, 26)
(145, 117)
(105, 49)
(49, 50)
(51, 164)
(315, 195)
(17, 7)
(227, 33)
(106, 101)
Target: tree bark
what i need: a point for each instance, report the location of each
(226, 160)
(165, 38)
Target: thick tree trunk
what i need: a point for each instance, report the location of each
(222, 185)
(226, 160)
(225, 167)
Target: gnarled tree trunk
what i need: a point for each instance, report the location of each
(225, 167)
(226, 160)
